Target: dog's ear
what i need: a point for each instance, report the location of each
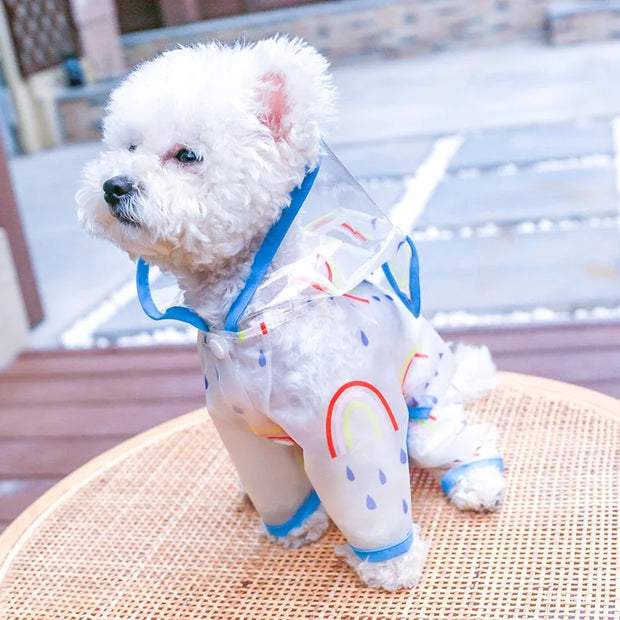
(273, 102)
(294, 89)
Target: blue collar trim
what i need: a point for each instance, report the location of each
(178, 313)
(268, 250)
(261, 263)
(414, 302)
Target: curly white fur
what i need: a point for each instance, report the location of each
(480, 489)
(308, 532)
(233, 106)
(405, 571)
(475, 376)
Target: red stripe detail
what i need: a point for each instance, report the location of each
(263, 328)
(422, 355)
(280, 437)
(330, 275)
(366, 301)
(357, 233)
(332, 404)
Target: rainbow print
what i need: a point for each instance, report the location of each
(411, 358)
(275, 433)
(359, 397)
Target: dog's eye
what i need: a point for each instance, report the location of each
(186, 156)
(132, 148)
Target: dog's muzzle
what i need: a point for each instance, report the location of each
(118, 192)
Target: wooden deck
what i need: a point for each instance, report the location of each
(59, 409)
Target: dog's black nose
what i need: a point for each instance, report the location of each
(115, 188)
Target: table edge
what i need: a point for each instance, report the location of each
(16, 530)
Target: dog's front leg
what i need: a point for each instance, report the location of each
(366, 491)
(275, 481)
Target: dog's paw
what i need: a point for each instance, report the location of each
(479, 488)
(309, 531)
(398, 573)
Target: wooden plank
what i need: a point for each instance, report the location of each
(572, 366)
(50, 457)
(529, 339)
(145, 388)
(611, 388)
(104, 361)
(98, 419)
(16, 494)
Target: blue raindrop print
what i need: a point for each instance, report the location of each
(370, 503)
(217, 374)
(376, 298)
(350, 474)
(440, 355)
(262, 360)
(405, 507)
(364, 338)
(373, 222)
(206, 383)
(389, 297)
(382, 477)
(237, 409)
(403, 456)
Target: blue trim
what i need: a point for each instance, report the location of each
(178, 313)
(268, 250)
(385, 553)
(419, 413)
(450, 478)
(311, 503)
(413, 304)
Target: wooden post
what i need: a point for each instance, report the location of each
(10, 221)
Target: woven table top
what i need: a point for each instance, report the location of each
(157, 528)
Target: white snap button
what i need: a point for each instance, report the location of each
(219, 348)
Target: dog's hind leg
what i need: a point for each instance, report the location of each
(464, 458)
(275, 481)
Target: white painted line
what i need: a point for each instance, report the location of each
(529, 227)
(615, 129)
(80, 335)
(535, 316)
(600, 160)
(457, 319)
(421, 186)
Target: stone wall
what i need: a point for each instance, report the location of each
(350, 30)
(578, 22)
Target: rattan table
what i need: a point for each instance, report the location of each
(157, 528)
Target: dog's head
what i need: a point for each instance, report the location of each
(203, 147)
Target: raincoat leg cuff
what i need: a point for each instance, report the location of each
(311, 503)
(385, 553)
(451, 477)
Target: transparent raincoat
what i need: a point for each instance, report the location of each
(335, 259)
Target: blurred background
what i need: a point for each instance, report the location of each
(487, 128)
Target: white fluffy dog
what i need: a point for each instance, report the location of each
(322, 395)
